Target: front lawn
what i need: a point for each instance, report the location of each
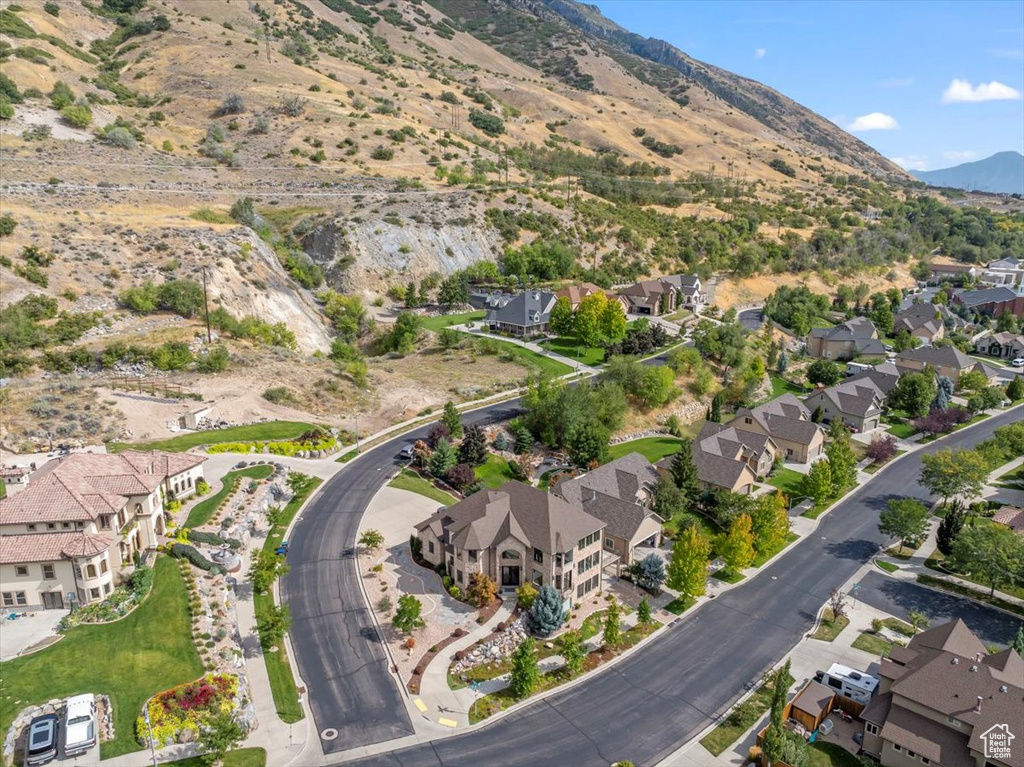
(872, 643)
(788, 481)
(830, 626)
(241, 757)
(271, 430)
(494, 472)
(902, 430)
(678, 606)
(727, 576)
(414, 483)
(761, 558)
(145, 652)
(202, 511)
(568, 347)
(651, 448)
(520, 355)
(446, 320)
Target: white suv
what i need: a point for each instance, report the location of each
(1017, 362)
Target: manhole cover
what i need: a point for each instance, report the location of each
(329, 734)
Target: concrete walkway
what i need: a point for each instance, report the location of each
(537, 348)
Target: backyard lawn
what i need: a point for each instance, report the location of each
(131, 659)
(271, 430)
(494, 472)
(414, 483)
(446, 320)
(567, 347)
(824, 754)
(781, 386)
(202, 511)
(652, 448)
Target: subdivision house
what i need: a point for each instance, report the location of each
(525, 314)
(1008, 272)
(884, 376)
(576, 293)
(944, 360)
(517, 534)
(940, 272)
(788, 422)
(858, 404)
(992, 301)
(690, 292)
(1007, 346)
(663, 295)
(76, 527)
(619, 494)
(921, 320)
(944, 700)
(730, 459)
(853, 338)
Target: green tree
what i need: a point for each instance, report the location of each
(589, 316)
(684, 472)
(473, 449)
(726, 343)
(451, 418)
(669, 500)
(574, 652)
(371, 540)
(442, 459)
(918, 620)
(824, 372)
(769, 522)
(588, 443)
(950, 526)
(613, 321)
(648, 573)
(454, 291)
(220, 734)
(817, 485)
(737, 547)
(77, 115)
(842, 462)
(656, 386)
(783, 362)
(523, 440)
(562, 319)
(547, 611)
(951, 473)
(61, 96)
(883, 318)
(715, 412)
(992, 553)
(265, 568)
(643, 612)
(403, 335)
(407, 617)
(971, 381)
(412, 298)
(525, 676)
(913, 394)
(773, 744)
(449, 338)
(272, 624)
(612, 629)
(688, 568)
(903, 518)
(1015, 389)
(1018, 640)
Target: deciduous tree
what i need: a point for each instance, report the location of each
(371, 540)
(407, 616)
(482, 589)
(913, 394)
(903, 518)
(737, 547)
(612, 624)
(842, 463)
(562, 319)
(574, 652)
(817, 485)
(824, 372)
(769, 522)
(993, 553)
(688, 568)
(950, 473)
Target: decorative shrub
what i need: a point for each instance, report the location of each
(212, 539)
(191, 553)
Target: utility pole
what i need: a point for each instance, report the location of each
(206, 307)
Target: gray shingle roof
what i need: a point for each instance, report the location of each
(532, 307)
(884, 376)
(947, 356)
(610, 493)
(785, 418)
(985, 295)
(858, 398)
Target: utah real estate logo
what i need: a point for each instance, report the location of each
(997, 742)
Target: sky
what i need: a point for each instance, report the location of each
(928, 84)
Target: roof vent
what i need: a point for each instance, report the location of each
(1003, 688)
(955, 661)
(977, 706)
(974, 669)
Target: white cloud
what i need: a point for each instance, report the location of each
(962, 92)
(912, 162)
(897, 82)
(760, 53)
(874, 121)
(959, 157)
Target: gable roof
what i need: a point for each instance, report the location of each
(611, 493)
(720, 454)
(852, 329)
(984, 296)
(785, 418)
(858, 398)
(884, 377)
(531, 307)
(576, 293)
(538, 519)
(946, 356)
(49, 547)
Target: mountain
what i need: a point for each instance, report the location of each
(1002, 173)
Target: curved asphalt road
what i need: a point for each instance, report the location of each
(751, 319)
(642, 708)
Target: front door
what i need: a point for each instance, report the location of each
(53, 600)
(510, 576)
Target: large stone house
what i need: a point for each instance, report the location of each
(788, 422)
(619, 494)
(858, 404)
(853, 338)
(729, 458)
(517, 534)
(943, 700)
(663, 295)
(70, 534)
(1007, 346)
(525, 314)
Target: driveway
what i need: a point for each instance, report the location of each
(28, 630)
(751, 319)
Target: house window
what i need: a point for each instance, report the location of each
(609, 544)
(430, 546)
(954, 721)
(94, 593)
(579, 590)
(458, 576)
(105, 522)
(538, 556)
(106, 588)
(896, 747)
(48, 573)
(31, 528)
(90, 571)
(510, 554)
(473, 555)
(925, 760)
(538, 578)
(568, 579)
(12, 598)
(21, 570)
(872, 729)
(568, 557)
(558, 582)
(911, 754)
(79, 525)
(103, 565)
(65, 525)
(747, 419)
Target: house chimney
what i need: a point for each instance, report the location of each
(977, 657)
(977, 706)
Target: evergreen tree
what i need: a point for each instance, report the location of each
(715, 416)
(649, 572)
(612, 630)
(643, 614)
(817, 415)
(687, 571)
(546, 612)
(473, 449)
(573, 651)
(684, 471)
(412, 299)
(524, 440)
(783, 361)
(737, 548)
(525, 675)
(1015, 390)
(950, 526)
(943, 393)
(451, 418)
(773, 744)
(442, 459)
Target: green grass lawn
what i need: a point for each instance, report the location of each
(727, 576)
(494, 472)
(652, 448)
(567, 347)
(679, 605)
(520, 355)
(830, 627)
(241, 757)
(901, 430)
(788, 481)
(889, 567)
(781, 386)
(873, 644)
(130, 660)
(202, 511)
(822, 753)
(446, 320)
(821, 322)
(414, 483)
(272, 430)
(964, 591)
(279, 670)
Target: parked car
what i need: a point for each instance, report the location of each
(1017, 362)
(79, 724)
(405, 452)
(41, 740)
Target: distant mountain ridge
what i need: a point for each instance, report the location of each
(1003, 172)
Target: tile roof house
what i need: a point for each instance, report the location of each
(576, 293)
(525, 314)
(79, 523)
(619, 494)
(517, 534)
(858, 403)
(944, 360)
(922, 321)
(1004, 345)
(940, 697)
(729, 458)
(884, 376)
(992, 301)
(788, 422)
(847, 340)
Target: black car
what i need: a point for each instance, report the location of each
(41, 741)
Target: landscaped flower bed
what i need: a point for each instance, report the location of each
(187, 707)
(326, 443)
(121, 601)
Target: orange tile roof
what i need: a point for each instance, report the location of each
(48, 547)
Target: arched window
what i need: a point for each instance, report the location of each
(138, 508)
(510, 554)
(90, 570)
(103, 566)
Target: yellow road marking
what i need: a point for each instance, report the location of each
(420, 705)
(447, 722)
